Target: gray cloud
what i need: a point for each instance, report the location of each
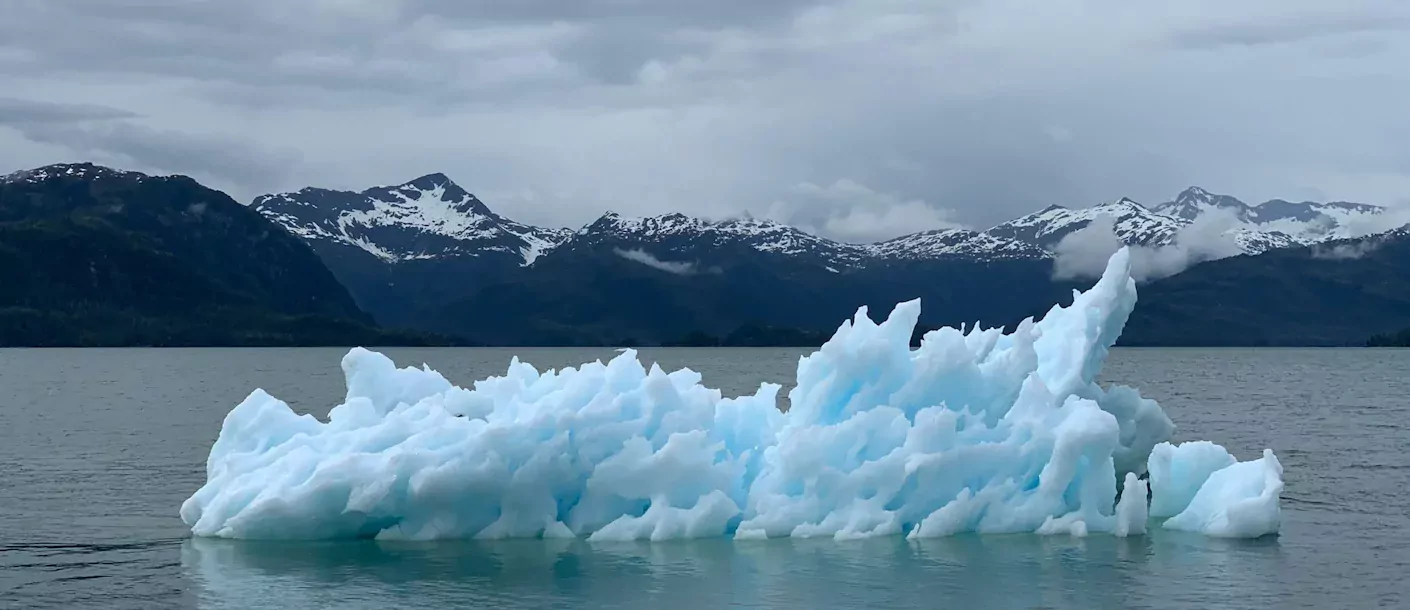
(721, 13)
(971, 111)
(1284, 30)
(216, 158)
(106, 134)
(852, 212)
(23, 112)
(1341, 252)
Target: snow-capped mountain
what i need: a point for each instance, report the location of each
(434, 218)
(1304, 222)
(963, 243)
(1133, 223)
(1195, 202)
(429, 217)
(1254, 241)
(1254, 229)
(678, 233)
(79, 171)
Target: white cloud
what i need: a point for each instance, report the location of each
(1341, 252)
(1084, 253)
(852, 212)
(646, 258)
(1371, 224)
(1355, 249)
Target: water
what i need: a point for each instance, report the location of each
(98, 448)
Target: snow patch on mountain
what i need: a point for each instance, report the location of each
(1254, 241)
(1195, 202)
(430, 217)
(83, 171)
(434, 210)
(1133, 223)
(1253, 229)
(680, 232)
(957, 243)
(1302, 223)
(537, 240)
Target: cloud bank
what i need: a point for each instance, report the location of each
(1084, 252)
(1342, 252)
(852, 212)
(1391, 219)
(969, 112)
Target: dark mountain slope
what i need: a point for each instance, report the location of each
(1338, 293)
(597, 296)
(397, 248)
(94, 256)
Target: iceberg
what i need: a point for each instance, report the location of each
(1178, 471)
(1237, 501)
(976, 430)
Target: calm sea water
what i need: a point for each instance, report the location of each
(98, 448)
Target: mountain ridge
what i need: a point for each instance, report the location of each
(645, 278)
(429, 255)
(428, 217)
(91, 256)
(433, 217)
(1305, 221)
(1334, 293)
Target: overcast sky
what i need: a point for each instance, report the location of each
(858, 119)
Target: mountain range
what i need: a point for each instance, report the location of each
(432, 217)
(428, 255)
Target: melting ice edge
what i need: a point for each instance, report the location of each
(975, 431)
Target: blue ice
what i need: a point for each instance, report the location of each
(975, 431)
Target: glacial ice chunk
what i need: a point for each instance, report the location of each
(1237, 501)
(1178, 471)
(1132, 513)
(975, 431)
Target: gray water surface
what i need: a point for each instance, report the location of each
(98, 448)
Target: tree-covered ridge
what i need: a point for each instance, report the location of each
(1400, 339)
(91, 256)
